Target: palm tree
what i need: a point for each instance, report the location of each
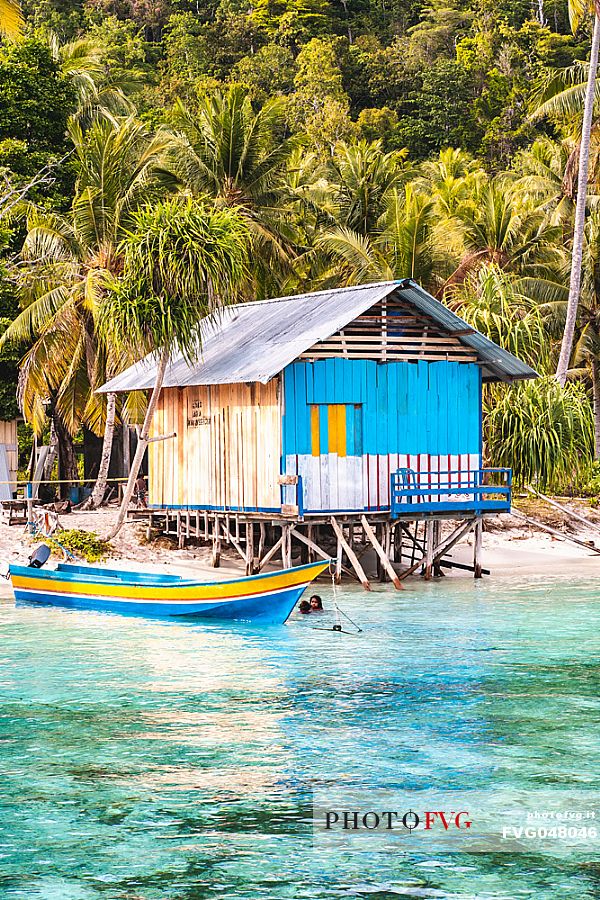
(66, 263)
(496, 224)
(363, 175)
(450, 179)
(81, 62)
(181, 262)
(497, 304)
(587, 349)
(11, 18)
(402, 245)
(239, 158)
(586, 352)
(546, 174)
(578, 9)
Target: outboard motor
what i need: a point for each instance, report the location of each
(39, 556)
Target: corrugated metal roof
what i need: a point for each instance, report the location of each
(255, 341)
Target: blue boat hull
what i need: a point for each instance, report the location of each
(264, 599)
(252, 609)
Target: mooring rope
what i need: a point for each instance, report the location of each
(338, 611)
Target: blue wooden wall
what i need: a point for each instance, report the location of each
(410, 408)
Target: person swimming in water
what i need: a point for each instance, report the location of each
(316, 604)
(304, 607)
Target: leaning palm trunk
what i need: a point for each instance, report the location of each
(143, 441)
(68, 472)
(578, 230)
(109, 430)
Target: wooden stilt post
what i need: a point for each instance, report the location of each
(386, 564)
(271, 553)
(428, 548)
(378, 537)
(387, 545)
(249, 548)
(339, 550)
(414, 544)
(437, 534)
(477, 547)
(261, 541)
(180, 536)
(344, 545)
(311, 538)
(286, 546)
(380, 533)
(397, 535)
(443, 548)
(233, 542)
(216, 543)
(304, 550)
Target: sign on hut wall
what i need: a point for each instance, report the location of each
(197, 416)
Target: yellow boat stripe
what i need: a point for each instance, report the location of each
(214, 591)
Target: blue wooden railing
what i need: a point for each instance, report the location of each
(480, 490)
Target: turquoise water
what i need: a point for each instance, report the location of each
(149, 761)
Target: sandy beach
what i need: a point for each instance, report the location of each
(510, 545)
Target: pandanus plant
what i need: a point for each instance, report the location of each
(182, 261)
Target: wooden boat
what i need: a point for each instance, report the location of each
(267, 599)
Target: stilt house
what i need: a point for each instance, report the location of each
(357, 400)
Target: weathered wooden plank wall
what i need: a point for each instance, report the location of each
(349, 423)
(227, 450)
(8, 437)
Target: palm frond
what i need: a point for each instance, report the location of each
(11, 19)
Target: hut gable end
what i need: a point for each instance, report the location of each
(392, 331)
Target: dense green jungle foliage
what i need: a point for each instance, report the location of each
(358, 140)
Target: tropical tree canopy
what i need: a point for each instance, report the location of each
(348, 143)
(66, 262)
